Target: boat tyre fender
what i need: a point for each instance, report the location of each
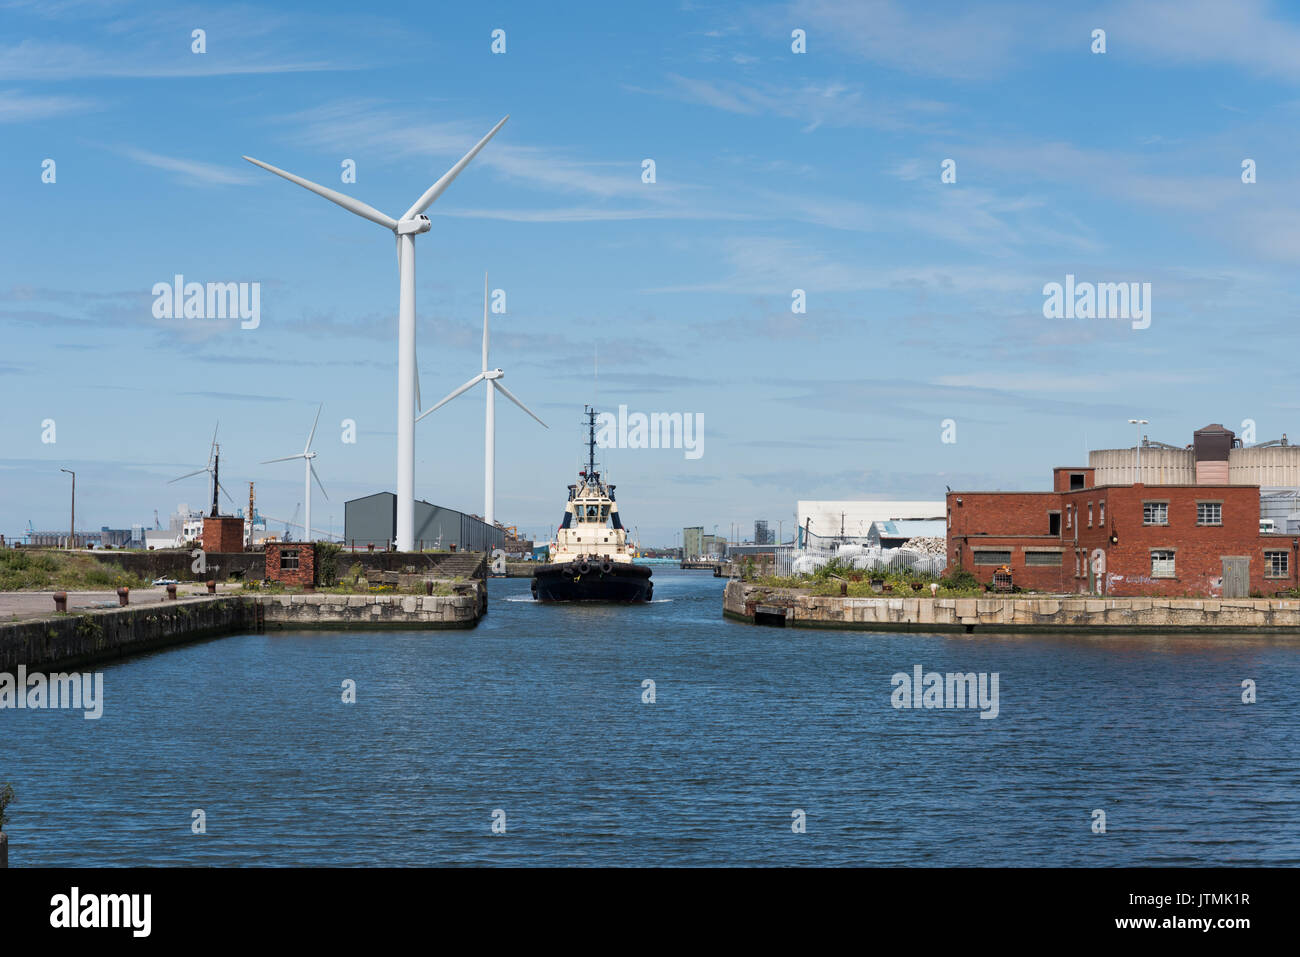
(584, 567)
(606, 567)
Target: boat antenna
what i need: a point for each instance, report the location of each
(591, 441)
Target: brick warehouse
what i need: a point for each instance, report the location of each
(1202, 538)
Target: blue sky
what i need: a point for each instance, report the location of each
(775, 171)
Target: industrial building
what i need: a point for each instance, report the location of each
(692, 543)
(372, 520)
(825, 525)
(1188, 523)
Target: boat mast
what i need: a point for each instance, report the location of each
(591, 443)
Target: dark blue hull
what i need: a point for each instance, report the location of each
(570, 581)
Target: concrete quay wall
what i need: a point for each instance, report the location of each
(348, 612)
(67, 641)
(760, 605)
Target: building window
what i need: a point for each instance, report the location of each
(1277, 565)
(1090, 515)
(1043, 558)
(1209, 513)
(1102, 518)
(1053, 523)
(1155, 513)
(989, 557)
(1162, 564)
(288, 559)
(1076, 481)
(1076, 564)
(1068, 515)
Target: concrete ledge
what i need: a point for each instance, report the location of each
(67, 641)
(757, 605)
(373, 612)
(102, 635)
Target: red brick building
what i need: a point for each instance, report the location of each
(223, 534)
(1134, 539)
(291, 563)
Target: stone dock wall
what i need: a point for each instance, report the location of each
(68, 641)
(769, 606)
(349, 612)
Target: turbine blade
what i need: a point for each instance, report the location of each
(510, 395)
(287, 458)
(468, 385)
(317, 478)
(347, 202)
(188, 475)
(485, 321)
(225, 493)
(307, 447)
(434, 191)
(419, 401)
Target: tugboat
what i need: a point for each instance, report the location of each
(590, 557)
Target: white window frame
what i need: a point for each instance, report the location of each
(1167, 567)
(1269, 553)
(1163, 506)
(1214, 505)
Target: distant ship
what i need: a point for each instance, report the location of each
(590, 558)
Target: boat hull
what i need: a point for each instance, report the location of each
(566, 581)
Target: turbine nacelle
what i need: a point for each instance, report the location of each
(494, 374)
(414, 226)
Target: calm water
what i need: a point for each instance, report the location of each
(538, 712)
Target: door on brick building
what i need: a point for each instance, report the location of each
(1236, 576)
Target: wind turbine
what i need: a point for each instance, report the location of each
(213, 468)
(412, 223)
(309, 473)
(493, 378)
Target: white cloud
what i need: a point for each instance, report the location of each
(191, 170)
(19, 107)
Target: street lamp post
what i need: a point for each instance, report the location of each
(72, 527)
(1137, 467)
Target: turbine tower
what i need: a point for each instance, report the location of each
(493, 378)
(411, 224)
(309, 473)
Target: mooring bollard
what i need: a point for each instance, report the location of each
(123, 595)
(171, 593)
(212, 587)
(428, 587)
(60, 601)
(934, 590)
